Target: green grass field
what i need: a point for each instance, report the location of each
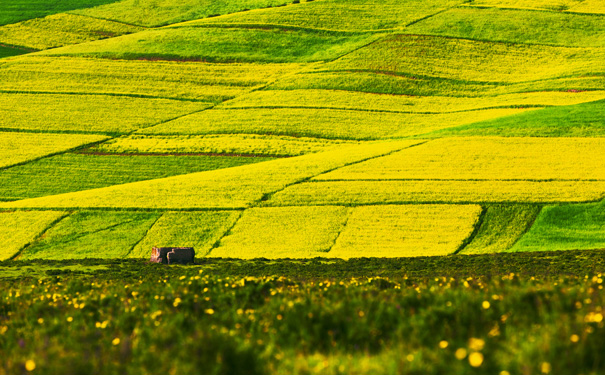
(396, 187)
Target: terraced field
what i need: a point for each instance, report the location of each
(328, 128)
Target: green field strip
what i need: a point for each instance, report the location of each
(582, 6)
(503, 25)
(59, 30)
(565, 227)
(334, 99)
(486, 158)
(153, 13)
(87, 234)
(18, 148)
(464, 59)
(164, 79)
(8, 51)
(358, 15)
(401, 84)
(200, 230)
(334, 124)
(405, 231)
(14, 11)
(88, 113)
(76, 172)
(580, 120)
(218, 45)
(237, 187)
(501, 228)
(19, 228)
(290, 232)
(219, 144)
(359, 193)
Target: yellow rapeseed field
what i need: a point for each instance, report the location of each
(60, 30)
(323, 123)
(487, 158)
(251, 144)
(471, 60)
(19, 228)
(581, 6)
(336, 99)
(406, 230)
(199, 230)
(237, 187)
(169, 79)
(283, 232)
(88, 113)
(17, 148)
(339, 15)
(431, 191)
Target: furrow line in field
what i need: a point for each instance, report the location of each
(457, 179)
(140, 96)
(539, 106)
(477, 227)
(531, 10)
(74, 149)
(144, 236)
(531, 223)
(41, 234)
(226, 233)
(268, 196)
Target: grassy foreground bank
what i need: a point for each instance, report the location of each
(503, 314)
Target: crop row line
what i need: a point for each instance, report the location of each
(532, 10)
(386, 110)
(111, 94)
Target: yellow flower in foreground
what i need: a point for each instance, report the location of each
(476, 344)
(30, 365)
(116, 341)
(475, 359)
(486, 305)
(504, 372)
(545, 367)
(574, 338)
(460, 353)
(443, 344)
(209, 311)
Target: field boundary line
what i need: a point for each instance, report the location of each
(268, 196)
(119, 209)
(429, 16)
(529, 224)
(342, 228)
(458, 179)
(73, 149)
(272, 133)
(489, 41)
(480, 222)
(75, 93)
(161, 215)
(274, 26)
(169, 120)
(54, 223)
(227, 232)
(572, 13)
(70, 12)
(512, 106)
(22, 48)
(414, 203)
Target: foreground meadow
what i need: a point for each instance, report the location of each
(487, 314)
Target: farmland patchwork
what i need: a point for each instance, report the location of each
(328, 128)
